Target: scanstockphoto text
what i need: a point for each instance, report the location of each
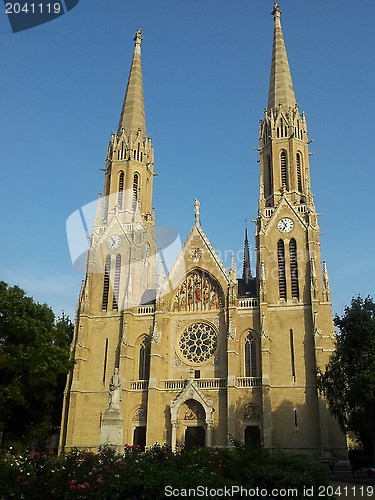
(237, 491)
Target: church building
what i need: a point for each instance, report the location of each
(194, 355)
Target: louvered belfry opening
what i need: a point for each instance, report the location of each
(120, 189)
(299, 176)
(294, 268)
(107, 271)
(116, 284)
(281, 265)
(284, 173)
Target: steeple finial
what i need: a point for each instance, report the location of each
(133, 110)
(232, 271)
(246, 273)
(281, 87)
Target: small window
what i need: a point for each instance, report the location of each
(292, 361)
(295, 419)
(197, 374)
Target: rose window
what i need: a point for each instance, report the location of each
(198, 342)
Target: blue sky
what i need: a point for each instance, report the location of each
(206, 67)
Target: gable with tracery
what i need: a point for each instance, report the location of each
(199, 292)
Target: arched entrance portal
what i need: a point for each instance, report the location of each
(251, 422)
(193, 417)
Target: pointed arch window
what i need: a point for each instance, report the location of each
(294, 268)
(299, 176)
(281, 266)
(107, 270)
(284, 169)
(116, 284)
(250, 356)
(120, 189)
(144, 359)
(135, 191)
(292, 358)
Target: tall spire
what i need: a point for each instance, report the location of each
(133, 111)
(281, 86)
(246, 273)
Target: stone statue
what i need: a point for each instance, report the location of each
(196, 210)
(115, 390)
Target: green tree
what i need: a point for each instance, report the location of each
(348, 382)
(34, 361)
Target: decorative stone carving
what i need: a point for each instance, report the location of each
(156, 334)
(200, 291)
(251, 413)
(231, 329)
(194, 411)
(314, 281)
(196, 254)
(263, 330)
(139, 415)
(160, 286)
(262, 279)
(190, 415)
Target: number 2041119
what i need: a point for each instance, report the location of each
(32, 8)
(346, 491)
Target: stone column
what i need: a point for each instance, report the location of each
(209, 427)
(174, 434)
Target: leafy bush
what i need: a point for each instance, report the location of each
(144, 475)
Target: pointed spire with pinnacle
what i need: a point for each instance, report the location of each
(281, 86)
(133, 111)
(246, 273)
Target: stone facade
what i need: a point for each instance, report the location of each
(195, 355)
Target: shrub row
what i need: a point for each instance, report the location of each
(144, 475)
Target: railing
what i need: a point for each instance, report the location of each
(202, 383)
(248, 303)
(139, 385)
(243, 382)
(174, 384)
(146, 310)
(211, 383)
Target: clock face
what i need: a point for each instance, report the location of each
(285, 225)
(114, 241)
